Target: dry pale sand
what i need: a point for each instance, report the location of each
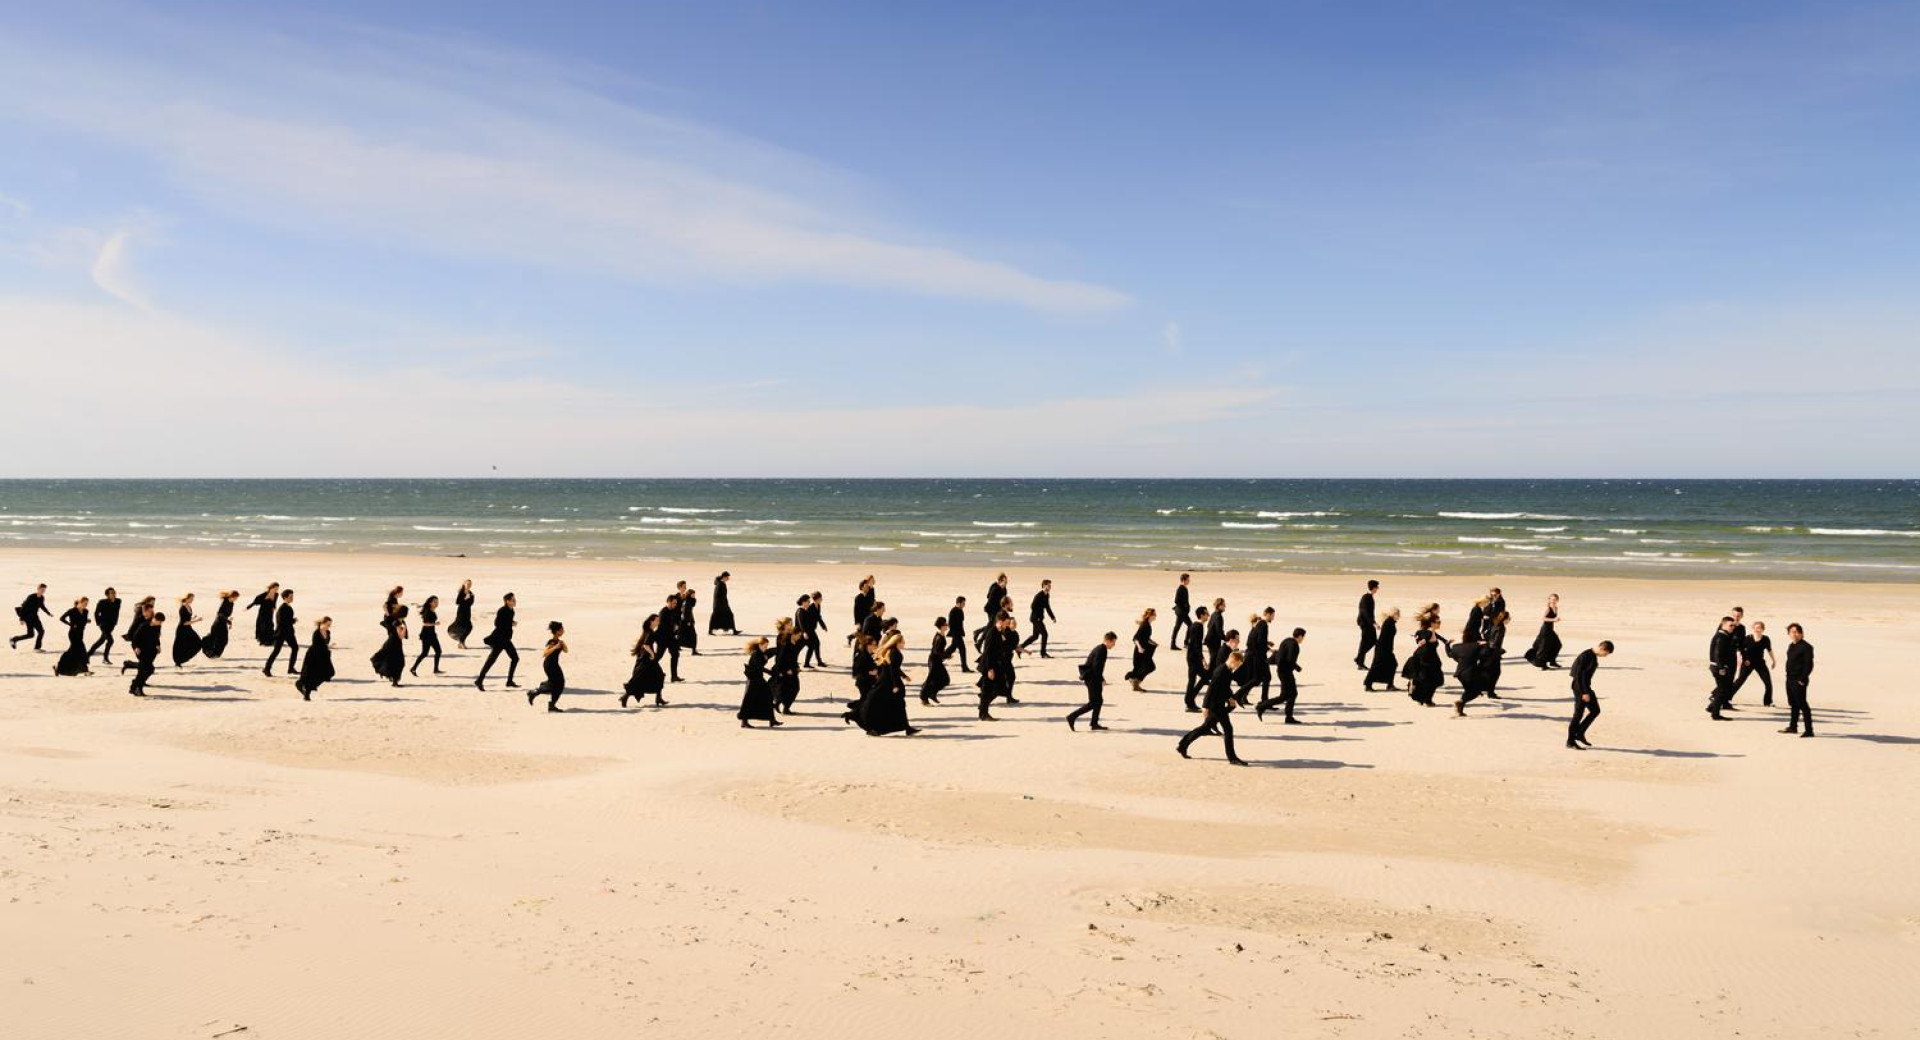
(223, 859)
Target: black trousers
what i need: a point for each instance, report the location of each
(106, 640)
(1760, 671)
(1092, 706)
(1040, 633)
(673, 660)
(287, 640)
(141, 673)
(1196, 678)
(959, 645)
(1584, 712)
(1180, 623)
(812, 655)
(34, 629)
(1221, 724)
(1797, 701)
(1367, 639)
(493, 654)
(429, 644)
(1722, 688)
(1261, 676)
(1289, 692)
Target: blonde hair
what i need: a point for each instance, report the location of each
(886, 645)
(756, 643)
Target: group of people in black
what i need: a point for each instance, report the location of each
(1224, 665)
(1735, 655)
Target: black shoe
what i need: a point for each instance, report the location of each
(1183, 752)
(555, 708)
(531, 694)
(1807, 734)
(1260, 712)
(1070, 724)
(511, 685)
(623, 699)
(1191, 710)
(480, 684)
(1236, 761)
(1791, 729)
(1291, 721)
(1009, 701)
(1571, 746)
(1096, 725)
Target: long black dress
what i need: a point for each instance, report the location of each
(391, 659)
(786, 673)
(555, 682)
(1424, 671)
(1545, 652)
(74, 661)
(1142, 658)
(757, 701)
(462, 626)
(317, 668)
(937, 676)
(721, 619)
(886, 706)
(1385, 664)
(689, 633)
(862, 669)
(263, 619)
(1496, 647)
(648, 676)
(186, 641)
(215, 644)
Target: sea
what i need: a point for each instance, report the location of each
(1795, 529)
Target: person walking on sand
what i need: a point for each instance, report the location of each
(1586, 703)
(555, 682)
(30, 610)
(318, 669)
(1367, 631)
(1799, 674)
(1196, 661)
(1038, 614)
(1723, 657)
(500, 641)
(1094, 674)
(1219, 710)
(1182, 610)
(283, 635)
(1286, 662)
(1143, 648)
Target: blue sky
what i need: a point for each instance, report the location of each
(1272, 239)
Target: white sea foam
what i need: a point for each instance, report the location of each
(1254, 527)
(1006, 523)
(1508, 516)
(1862, 532)
(688, 509)
(1471, 538)
(1289, 516)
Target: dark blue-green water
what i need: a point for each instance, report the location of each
(1715, 528)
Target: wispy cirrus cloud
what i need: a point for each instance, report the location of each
(483, 155)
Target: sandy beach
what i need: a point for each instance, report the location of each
(222, 859)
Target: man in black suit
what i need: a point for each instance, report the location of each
(1196, 664)
(107, 615)
(991, 608)
(1286, 662)
(30, 610)
(1216, 634)
(1094, 674)
(1586, 703)
(1799, 673)
(1496, 606)
(500, 641)
(283, 635)
(957, 630)
(1369, 632)
(1723, 657)
(1219, 707)
(1182, 609)
(1038, 614)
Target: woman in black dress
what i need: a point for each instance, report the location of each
(722, 617)
(1143, 648)
(689, 634)
(74, 661)
(787, 648)
(648, 676)
(186, 641)
(391, 659)
(757, 701)
(429, 636)
(215, 644)
(1424, 672)
(263, 605)
(393, 598)
(317, 667)
(937, 675)
(1385, 664)
(555, 682)
(1545, 652)
(1496, 647)
(886, 709)
(462, 626)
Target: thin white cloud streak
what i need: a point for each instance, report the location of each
(112, 271)
(438, 151)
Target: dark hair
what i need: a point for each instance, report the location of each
(1741, 609)
(1794, 626)
(1371, 585)
(1202, 612)
(939, 622)
(286, 593)
(1607, 645)
(725, 574)
(555, 627)
(1726, 618)
(803, 600)
(110, 591)
(959, 599)
(1298, 632)
(1186, 577)
(1233, 633)
(431, 600)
